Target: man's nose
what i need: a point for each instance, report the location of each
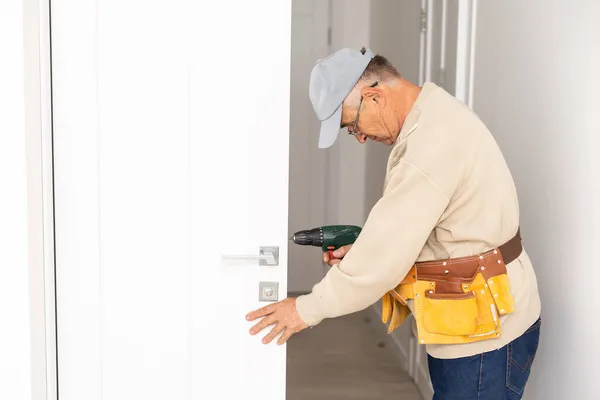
(361, 137)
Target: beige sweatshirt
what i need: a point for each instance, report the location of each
(448, 193)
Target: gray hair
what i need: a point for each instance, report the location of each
(380, 70)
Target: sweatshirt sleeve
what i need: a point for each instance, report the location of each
(391, 240)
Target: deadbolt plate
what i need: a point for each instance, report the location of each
(268, 291)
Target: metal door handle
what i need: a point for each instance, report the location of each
(267, 255)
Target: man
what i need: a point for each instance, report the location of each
(449, 205)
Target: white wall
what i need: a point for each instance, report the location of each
(536, 86)
(15, 352)
(38, 127)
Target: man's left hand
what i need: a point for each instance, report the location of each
(283, 315)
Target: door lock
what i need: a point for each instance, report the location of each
(268, 291)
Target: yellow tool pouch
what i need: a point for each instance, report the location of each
(457, 300)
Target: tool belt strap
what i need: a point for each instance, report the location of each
(457, 300)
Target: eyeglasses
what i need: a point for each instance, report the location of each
(355, 125)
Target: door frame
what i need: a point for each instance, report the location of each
(465, 57)
(40, 211)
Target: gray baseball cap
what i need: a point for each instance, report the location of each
(331, 80)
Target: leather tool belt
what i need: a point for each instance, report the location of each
(457, 300)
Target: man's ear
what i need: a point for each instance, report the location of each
(375, 95)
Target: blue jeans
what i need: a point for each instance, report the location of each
(496, 375)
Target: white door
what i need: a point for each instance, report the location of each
(171, 130)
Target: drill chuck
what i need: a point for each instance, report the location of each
(309, 237)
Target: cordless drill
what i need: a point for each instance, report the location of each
(329, 238)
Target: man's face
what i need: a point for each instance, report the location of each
(373, 119)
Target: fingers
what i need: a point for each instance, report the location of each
(342, 251)
(270, 320)
(283, 315)
(287, 334)
(274, 332)
(334, 261)
(337, 254)
(261, 312)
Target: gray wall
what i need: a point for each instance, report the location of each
(395, 35)
(350, 23)
(388, 27)
(308, 180)
(536, 86)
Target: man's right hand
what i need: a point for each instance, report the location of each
(337, 254)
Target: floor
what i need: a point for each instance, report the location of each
(346, 358)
